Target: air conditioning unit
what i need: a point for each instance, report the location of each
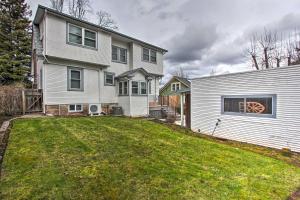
(94, 109)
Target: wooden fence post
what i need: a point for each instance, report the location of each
(23, 102)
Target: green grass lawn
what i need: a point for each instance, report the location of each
(122, 158)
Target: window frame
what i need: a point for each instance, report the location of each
(119, 54)
(90, 38)
(175, 83)
(245, 97)
(113, 79)
(122, 83)
(149, 55)
(139, 93)
(69, 78)
(82, 37)
(138, 88)
(75, 106)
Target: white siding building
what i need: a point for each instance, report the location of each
(258, 107)
(77, 64)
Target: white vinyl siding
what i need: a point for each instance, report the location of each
(55, 86)
(279, 132)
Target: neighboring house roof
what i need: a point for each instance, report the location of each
(130, 73)
(41, 10)
(184, 81)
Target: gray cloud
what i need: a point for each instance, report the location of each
(192, 43)
(200, 35)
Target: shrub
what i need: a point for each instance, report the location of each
(10, 100)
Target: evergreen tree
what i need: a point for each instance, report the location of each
(15, 41)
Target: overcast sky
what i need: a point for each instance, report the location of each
(201, 35)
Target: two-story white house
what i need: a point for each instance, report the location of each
(82, 68)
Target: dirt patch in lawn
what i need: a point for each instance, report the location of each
(295, 195)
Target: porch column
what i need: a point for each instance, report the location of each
(181, 110)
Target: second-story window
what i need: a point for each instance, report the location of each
(149, 55)
(75, 34)
(119, 54)
(81, 36)
(89, 38)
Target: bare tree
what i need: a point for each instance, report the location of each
(79, 8)
(57, 5)
(266, 42)
(105, 20)
(297, 47)
(180, 73)
(278, 49)
(289, 50)
(252, 50)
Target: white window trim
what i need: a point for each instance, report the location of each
(149, 54)
(139, 89)
(119, 54)
(274, 105)
(123, 87)
(74, 111)
(175, 83)
(82, 37)
(109, 84)
(81, 70)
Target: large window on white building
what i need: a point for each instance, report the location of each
(252, 105)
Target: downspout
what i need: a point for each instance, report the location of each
(148, 107)
(44, 55)
(129, 92)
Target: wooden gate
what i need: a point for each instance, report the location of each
(188, 110)
(32, 101)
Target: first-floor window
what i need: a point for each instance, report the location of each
(75, 79)
(143, 88)
(138, 87)
(109, 78)
(123, 88)
(75, 108)
(263, 105)
(135, 87)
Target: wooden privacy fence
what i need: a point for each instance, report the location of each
(14, 101)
